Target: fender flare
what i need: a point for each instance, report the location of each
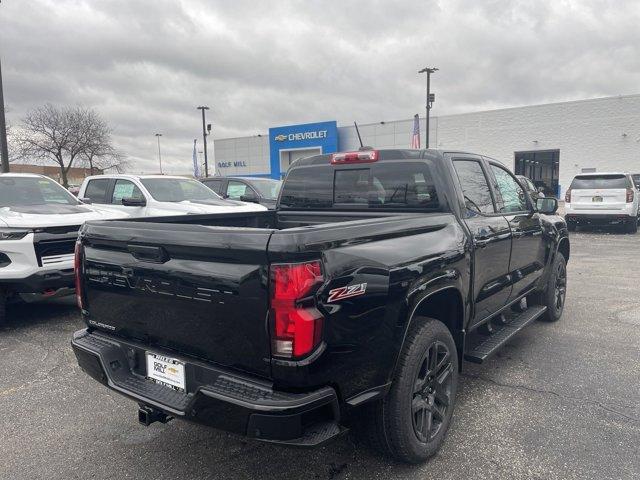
(449, 280)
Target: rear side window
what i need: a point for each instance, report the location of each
(394, 184)
(475, 188)
(586, 182)
(96, 190)
(213, 185)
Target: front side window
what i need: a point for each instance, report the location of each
(178, 190)
(236, 189)
(268, 188)
(475, 188)
(511, 193)
(24, 191)
(125, 189)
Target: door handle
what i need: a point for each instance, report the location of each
(481, 243)
(148, 253)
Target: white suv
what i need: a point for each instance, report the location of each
(157, 196)
(603, 199)
(39, 222)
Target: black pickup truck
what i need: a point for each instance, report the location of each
(352, 305)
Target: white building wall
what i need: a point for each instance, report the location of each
(602, 133)
(253, 151)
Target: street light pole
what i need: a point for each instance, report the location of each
(158, 135)
(4, 149)
(430, 100)
(204, 140)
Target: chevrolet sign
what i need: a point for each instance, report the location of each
(292, 137)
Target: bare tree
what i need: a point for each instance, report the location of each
(66, 136)
(12, 144)
(99, 153)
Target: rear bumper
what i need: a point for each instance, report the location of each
(599, 219)
(214, 396)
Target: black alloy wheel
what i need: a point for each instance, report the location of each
(432, 392)
(560, 286)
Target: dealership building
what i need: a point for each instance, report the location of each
(548, 143)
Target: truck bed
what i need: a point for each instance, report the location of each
(198, 284)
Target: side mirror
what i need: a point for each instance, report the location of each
(88, 201)
(547, 205)
(250, 197)
(134, 202)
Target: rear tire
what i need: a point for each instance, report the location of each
(3, 306)
(554, 295)
(632, 227)
(411, 422)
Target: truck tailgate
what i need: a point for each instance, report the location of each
(195, 289)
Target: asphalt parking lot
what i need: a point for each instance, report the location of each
(561, 401)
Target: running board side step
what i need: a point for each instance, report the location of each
(494, 342)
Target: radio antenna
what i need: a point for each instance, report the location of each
(358, 132)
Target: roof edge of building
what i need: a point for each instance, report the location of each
(477, 112)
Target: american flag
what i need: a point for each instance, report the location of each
(415, 137)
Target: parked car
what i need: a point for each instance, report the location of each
(158, 195)
(39, 222)
(353, 304)
(534, 193)
(603, 199)
(247, 189)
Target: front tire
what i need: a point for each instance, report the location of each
(411, 422)
(554, 295)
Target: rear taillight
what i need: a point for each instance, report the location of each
(297, 323)
(77, 267)
(567, 196)
(629, 195)
(366, 156)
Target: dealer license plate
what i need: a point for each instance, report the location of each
(596, 199)
(166, 371)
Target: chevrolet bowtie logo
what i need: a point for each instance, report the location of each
(280, 138)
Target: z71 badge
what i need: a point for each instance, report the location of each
(346, 292)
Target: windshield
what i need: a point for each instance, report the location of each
(178, 190)
(583, 182)
(267, 188)
(21, 191)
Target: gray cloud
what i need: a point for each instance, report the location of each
(145, 65)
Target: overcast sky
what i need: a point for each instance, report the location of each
(146, 64)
